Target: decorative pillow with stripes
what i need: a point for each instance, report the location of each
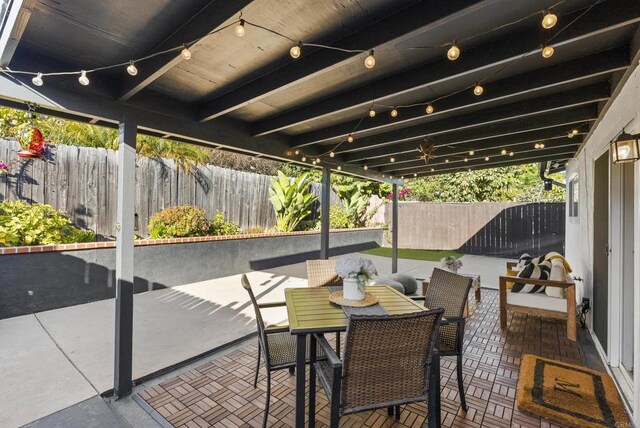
(537, 268)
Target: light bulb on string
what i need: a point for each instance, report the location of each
(372, 112)
(304, 159)
(415, 174)
(332, 155)
(570, 134)
(392, 159)
(317, 160)
(511, 153)
(132, 69)
(486, 158)
(478, 90)
(394, 112)
(37, 80)
(504, 151)
(83, 79)
(339, 168)
(471, 152)
(296, 50)
(466, 159)
(429, 109)
(239, 30)
(446, 161)
(402, 177)
(542, 145)
(297, 152)
(186, 53)
(536, 146)
(547, 51)
(454, 52)
(432, 169)
(365, 167)
(370, 60)
(549, 20)
(350, 139)
(574, 132)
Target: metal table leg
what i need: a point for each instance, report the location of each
(301, 347)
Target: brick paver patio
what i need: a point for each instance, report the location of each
(220, 392)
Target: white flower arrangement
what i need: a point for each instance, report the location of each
(356, 267)
(451, 263)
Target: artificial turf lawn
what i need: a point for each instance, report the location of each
(408, 253)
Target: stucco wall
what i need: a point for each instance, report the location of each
(34, 282)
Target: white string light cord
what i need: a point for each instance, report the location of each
(549, 20)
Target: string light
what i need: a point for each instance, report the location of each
(471, 152)
(536, 146)
(429, 109)
(372, 112)
(186, 53)
(547, 51)
(574, 132)
(370, 61)
(478, 90)
(332, 155)
(466, 159)
(365, 167)
(504, 151)
(239, 30)
(511, 153)
(304, 159)
(317, 160)
(297, 152)
(295, 51)
(446, 161)
(350, 139)
(37, 80)
(570, 134)
(549, 20)
(394, 112)
(454, 52)
(402, 177)
(486, 158)
(432, 169)
(83, 79)
(339, 168)
(132, 69)
(415, 174)
(392, 159)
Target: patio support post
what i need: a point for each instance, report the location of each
(325, 201)
(394, 229)
(123, 358)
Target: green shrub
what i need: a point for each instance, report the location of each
(339, 218)
(254, 230)
(37, 224)
(220, 226)
(177, 222)
(291, 200)
(307, 225)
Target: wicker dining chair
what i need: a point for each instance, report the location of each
(321, 273)
(381, 368)
(276, 345)
(450, 291)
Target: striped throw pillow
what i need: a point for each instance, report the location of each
(537, 268)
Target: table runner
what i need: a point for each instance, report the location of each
(376, 309)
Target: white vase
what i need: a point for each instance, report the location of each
(350, 290)
(453, 270)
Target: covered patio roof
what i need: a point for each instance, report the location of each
(247, 94)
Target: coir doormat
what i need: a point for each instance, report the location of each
(568, 394)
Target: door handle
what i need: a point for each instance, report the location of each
(606, 249)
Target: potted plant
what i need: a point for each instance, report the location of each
(451, 264)
(32, 142)
(356, 272)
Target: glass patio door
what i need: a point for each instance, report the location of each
(601, 251)
(628, 211)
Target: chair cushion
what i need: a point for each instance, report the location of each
(390, 282)
(408, 282)
(537, 300)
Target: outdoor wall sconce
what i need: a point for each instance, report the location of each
(625, 148)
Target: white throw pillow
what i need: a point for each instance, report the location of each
(558, 273)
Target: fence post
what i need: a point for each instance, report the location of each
(123, 358)
(325, 201)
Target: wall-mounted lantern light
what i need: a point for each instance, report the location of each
(625, 148)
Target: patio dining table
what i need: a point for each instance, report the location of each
(310, 312)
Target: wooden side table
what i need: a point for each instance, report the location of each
(475, 284)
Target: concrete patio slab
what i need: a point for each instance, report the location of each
(36, 378)
(91, 413)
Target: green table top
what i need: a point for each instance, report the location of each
(310, 310)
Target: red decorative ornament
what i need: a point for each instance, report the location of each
(33, 144)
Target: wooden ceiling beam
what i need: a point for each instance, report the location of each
(207, 19)
(569, 118)
(602, 18)
(418, 17)
(561, 101)
(548, 78)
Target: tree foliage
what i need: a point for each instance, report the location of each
(507, 184)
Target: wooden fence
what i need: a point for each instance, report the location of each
(83, 182)
(486, 228)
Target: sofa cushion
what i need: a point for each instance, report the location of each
(408, 282)
(390, 282)
(558, 273)
(537, 300)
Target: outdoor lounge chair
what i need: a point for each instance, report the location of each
(278, 344)
(380, 367)
(539, 304)
(450, 291)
